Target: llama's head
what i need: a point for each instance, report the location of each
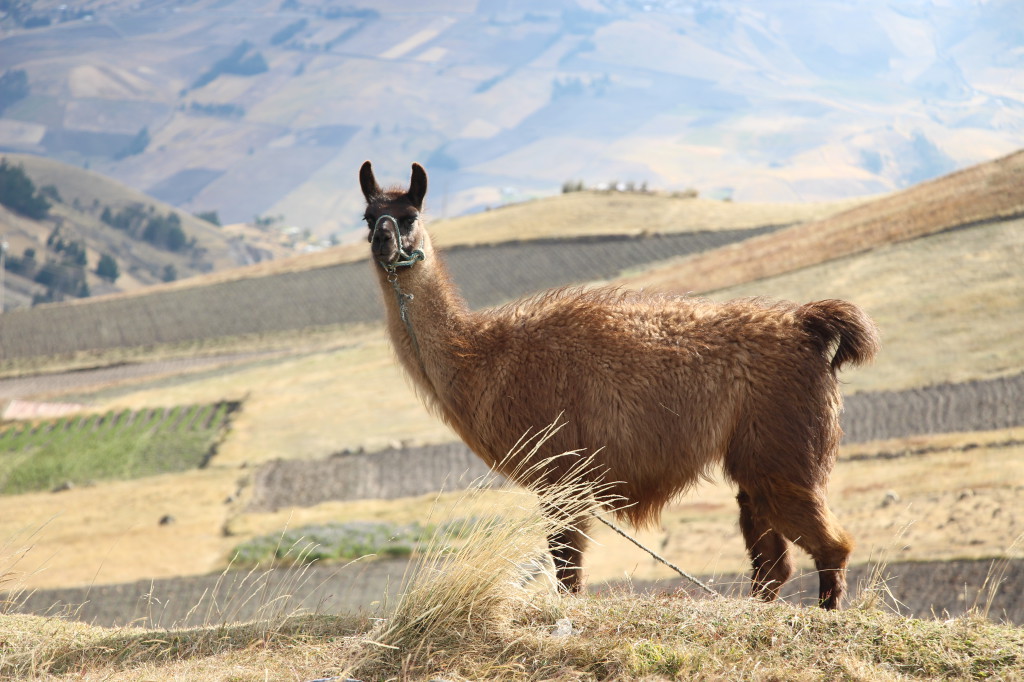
(393, 216)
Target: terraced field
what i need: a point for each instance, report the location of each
(344, 293)
(62, 453)
(932, 468)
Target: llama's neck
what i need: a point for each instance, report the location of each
(437, 322)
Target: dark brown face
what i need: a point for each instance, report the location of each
(391, 223)
(392, 216)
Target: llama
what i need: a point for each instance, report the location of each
(660, 388)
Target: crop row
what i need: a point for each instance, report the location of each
(337, 294)
(117, 445)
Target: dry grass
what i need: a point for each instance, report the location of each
(950, 307)
(583, 214)
(614, 637)
(470, 614)
(987, 191)
(110, 532)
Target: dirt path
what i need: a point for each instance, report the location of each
(84, 379)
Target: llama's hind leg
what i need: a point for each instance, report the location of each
(803, 516)
(768, 550)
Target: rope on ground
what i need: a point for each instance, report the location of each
(696, 581)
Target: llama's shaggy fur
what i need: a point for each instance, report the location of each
(659, 388)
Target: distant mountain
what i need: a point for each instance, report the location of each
(268, 109)
(97, 236)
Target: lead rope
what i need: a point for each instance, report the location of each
(407, 260)
(696, 581)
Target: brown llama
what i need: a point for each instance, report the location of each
(659, 388)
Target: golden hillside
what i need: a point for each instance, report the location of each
(988, 191)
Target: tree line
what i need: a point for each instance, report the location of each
(62, 267)
(143, 222)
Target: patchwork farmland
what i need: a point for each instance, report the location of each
(928, 481)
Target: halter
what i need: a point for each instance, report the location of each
(406, 259)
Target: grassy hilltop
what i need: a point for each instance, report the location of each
(936, 265)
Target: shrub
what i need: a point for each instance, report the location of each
(107, 268)
(18, 192)
(210, 217)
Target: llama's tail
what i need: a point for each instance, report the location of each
(844, 326)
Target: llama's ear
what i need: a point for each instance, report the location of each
(417, 186)
(368, 183)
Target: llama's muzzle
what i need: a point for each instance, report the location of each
(384, 240)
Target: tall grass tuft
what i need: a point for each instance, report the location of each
(454, 594)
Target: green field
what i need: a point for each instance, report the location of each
(114, 446)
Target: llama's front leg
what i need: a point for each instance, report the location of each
(567, 547)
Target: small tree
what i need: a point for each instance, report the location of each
(107, 268)
(50, 192)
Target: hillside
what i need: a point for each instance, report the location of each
(498, 255)
(264, 108)
(104, 217)
(986, 192)
(616, 233)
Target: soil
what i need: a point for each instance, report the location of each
(980, 405)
